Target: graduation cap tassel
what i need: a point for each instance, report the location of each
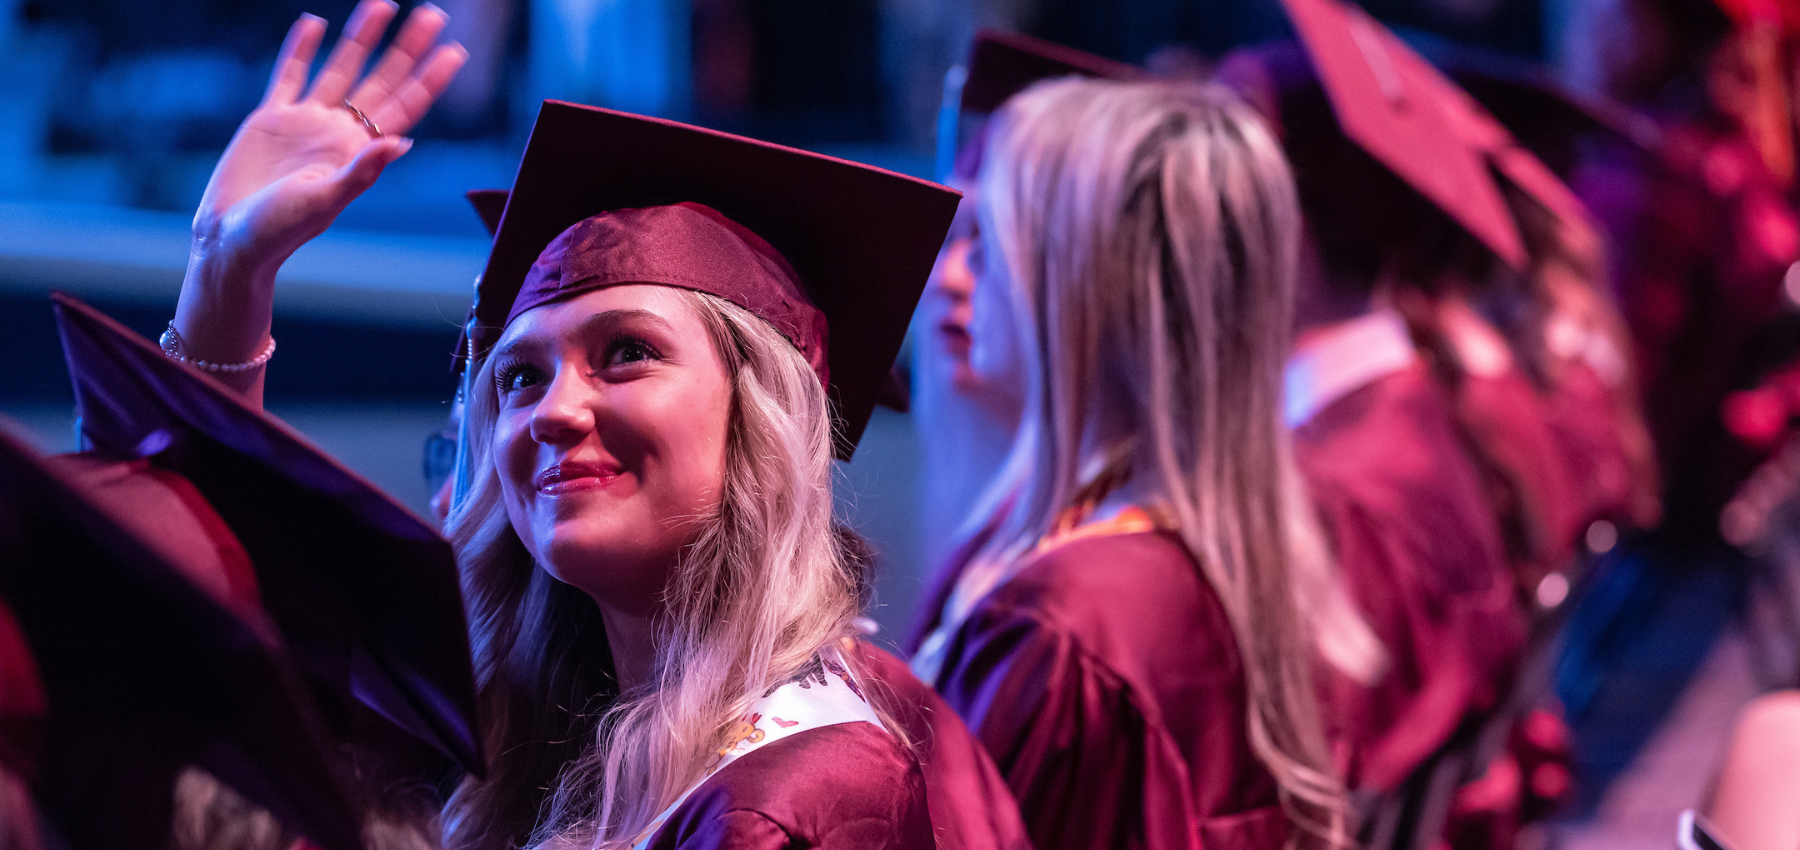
(460, 473)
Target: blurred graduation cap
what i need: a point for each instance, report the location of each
(860, 240)
(134, 671)
(1000, 65)
(1514, 163)
(364, 591)
(1389, 102)
(1545, 117)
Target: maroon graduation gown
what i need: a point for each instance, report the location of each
(1605, 446)
(971, 807)
(1541, 508)
(851, 786)
(1422, 555)
(1701, 237)
(1106, 683)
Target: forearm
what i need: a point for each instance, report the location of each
(225, 311)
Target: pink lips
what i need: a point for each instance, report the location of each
(955, 338)
(574, 476)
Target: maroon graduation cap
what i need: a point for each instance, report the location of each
(1002, 64)
(1518, 166)
(140, 673)
(831, 252)
(1391, 103)
(488, 204)
(364, 591)
(1544, 116)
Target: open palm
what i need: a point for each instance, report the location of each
(302, 156)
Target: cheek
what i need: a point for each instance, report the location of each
(515, 462)
(994, 340)
(677, 433)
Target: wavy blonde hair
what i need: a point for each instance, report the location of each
(762, 588)
(1150, 234)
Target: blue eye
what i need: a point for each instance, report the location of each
(628, 351)
(511, 377)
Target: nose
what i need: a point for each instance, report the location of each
(565, 413)
(952, 274)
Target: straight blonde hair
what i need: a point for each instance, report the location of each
(764, 587)
(1149, 232)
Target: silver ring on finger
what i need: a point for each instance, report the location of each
(374, 131)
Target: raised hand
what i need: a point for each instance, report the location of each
(295, 163)
(302, 156)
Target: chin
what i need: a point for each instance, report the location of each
(616, 570)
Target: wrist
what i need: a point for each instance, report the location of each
(221, 270)
(226, 304)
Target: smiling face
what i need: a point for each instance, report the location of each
(610, 437)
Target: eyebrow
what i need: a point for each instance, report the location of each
(593, 325)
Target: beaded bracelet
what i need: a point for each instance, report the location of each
(171, 346)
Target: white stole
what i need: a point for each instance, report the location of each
(827, 699)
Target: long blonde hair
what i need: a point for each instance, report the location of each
(760, 591)
(1149, 232)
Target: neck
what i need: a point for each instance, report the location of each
(632, 638)
(1135, 492)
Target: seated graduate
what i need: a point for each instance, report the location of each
(1404, 504)
(1126, 641)
(964, 407)
(970, 805)
(130, 661)
(658, 599)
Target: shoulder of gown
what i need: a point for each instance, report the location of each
(1105, 682)
(1421, 552)
(851, 786)
(971, 807)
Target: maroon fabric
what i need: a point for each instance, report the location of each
(1419, 547)
(1548, 119)
(684, 245)
(1530, 482)
(1002, 64)
(1604, 452)
(1390, 101)
(845, 787)
(1105, 681)
(365, 590)
(144, 673)
(167, 512)
(861, 240)
(971, 807)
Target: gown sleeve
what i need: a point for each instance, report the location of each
(850, 786)
(743, 829)
(971, 806)
(1088, 764)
